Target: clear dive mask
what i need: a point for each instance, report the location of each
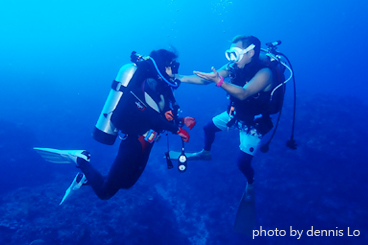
(235, 54)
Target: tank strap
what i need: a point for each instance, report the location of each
(117, 86)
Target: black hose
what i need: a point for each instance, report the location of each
(291, 143)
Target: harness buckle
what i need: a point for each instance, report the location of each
(150, 136)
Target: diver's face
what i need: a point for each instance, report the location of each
(169, 71)
(247, 57)
(172, 69)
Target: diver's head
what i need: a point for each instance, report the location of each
(243, 50)
(166, 64)
(166, 61)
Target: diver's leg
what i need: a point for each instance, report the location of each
(210, 130)
(124, 172)
(217, 124)
(249, 143)
(94, 177)
(133, 161)
(244, 165)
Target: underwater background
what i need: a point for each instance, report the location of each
(58, 59)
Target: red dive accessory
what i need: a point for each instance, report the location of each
(183, 134)
(190, 122)
(169, 115)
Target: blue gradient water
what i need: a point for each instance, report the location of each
(58, 58)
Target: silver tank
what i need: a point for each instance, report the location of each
(105, 132)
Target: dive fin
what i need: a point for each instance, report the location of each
(79, 180)
(174, 155)
(60, 156)
(246, 216)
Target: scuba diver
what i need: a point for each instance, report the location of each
(254, 93)
(141, 105)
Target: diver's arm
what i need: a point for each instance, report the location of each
(260, 82)
(214, 75)
(159, 123)
(195, 79)
(163, 124)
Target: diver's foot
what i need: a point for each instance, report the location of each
(202, 155)
(78, 181)
(82, 157)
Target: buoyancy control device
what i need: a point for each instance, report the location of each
(278, 67)
(105, 131)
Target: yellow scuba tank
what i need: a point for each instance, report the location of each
(105, 132)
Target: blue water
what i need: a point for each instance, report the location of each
(57, 60)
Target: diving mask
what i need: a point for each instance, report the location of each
(236, 54)
(174, 67)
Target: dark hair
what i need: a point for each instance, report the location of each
(248, 40)
(163, 58)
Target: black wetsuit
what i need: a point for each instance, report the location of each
(134, 117)
(128, 166)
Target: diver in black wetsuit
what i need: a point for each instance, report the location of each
(146, 108)
(147, 104)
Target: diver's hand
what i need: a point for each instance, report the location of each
(183, 134)
(213, 76)
(169, 115)
(190, 122)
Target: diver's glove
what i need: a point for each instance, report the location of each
(169, 115)
(183, 134)
(189, 122)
